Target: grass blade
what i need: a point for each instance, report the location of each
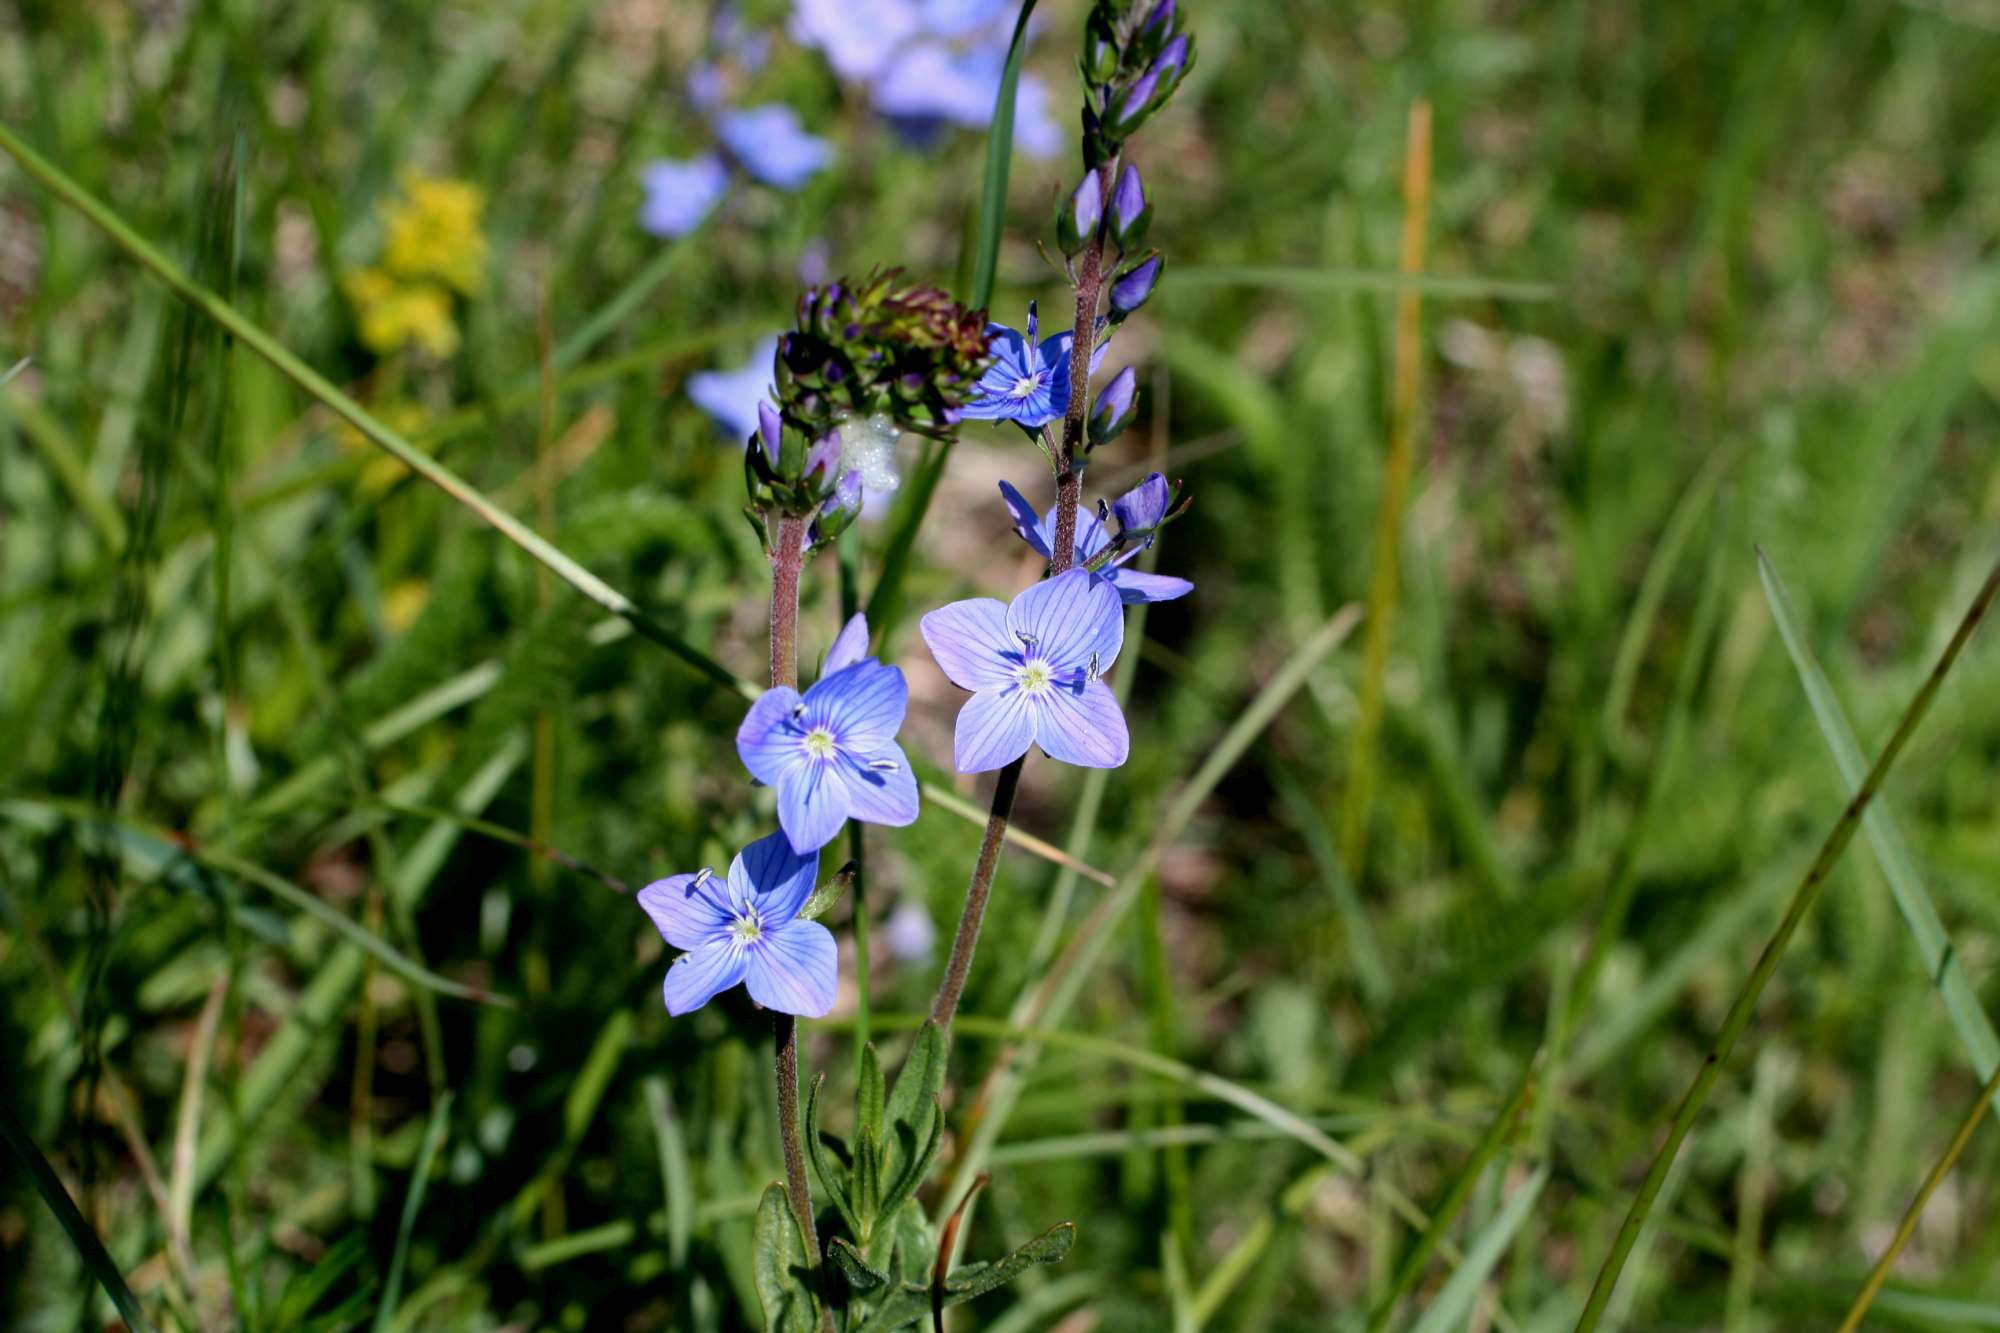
(676, 1177)
(1885, 838)
(392, 1290)
(1456, 1197)
(1454, 1304)
(1767, 963)
(1384, 585)
(1306, 278)
(88, 1247)
(999, 157)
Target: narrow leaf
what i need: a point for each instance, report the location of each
(392, 1289)
(1454, 1303)
(88, 1247)
(784, 1281)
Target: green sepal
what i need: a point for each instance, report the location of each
(783, 1270)
(828, 894)
(832, 1178)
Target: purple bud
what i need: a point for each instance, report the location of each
(840, 510)
(771, 430)
(1132, 108)
(1080, 215)
(1161, 18)
(1131, 288)
(1130, 213)
(823, 458)
(1141, 509)
(1173, 57)
(1114, 407)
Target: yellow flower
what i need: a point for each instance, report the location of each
(394, 314)
(434, 233)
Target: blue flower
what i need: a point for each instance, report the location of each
(929, 63)
(832, 752)
(732, 397)
(679, 194)
(1132, 585)
(772, 145)
(1034, 668)
(1028, 381)
(746, 929)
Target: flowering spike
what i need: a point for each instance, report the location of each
(1134, 284)
(1114, 408)
(1130, 211)
(1077, 221)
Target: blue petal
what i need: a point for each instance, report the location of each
(773, 146)
(863, 705)
(685, 916)
(769, 741)
(812, 805)
(972, 644)
(850, 647)
(1073, 619)
(1135, 586)
(775, 878)
(1026, 523)
(700, 976)
(881, 796)
(994, 729)
(1084, 727)
(794, 969)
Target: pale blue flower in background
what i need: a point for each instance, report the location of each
(732, 396)
(681, 193)
(773, 145)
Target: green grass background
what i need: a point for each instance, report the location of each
(1749, 296)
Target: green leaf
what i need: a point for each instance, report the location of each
(869, 1098)
(420, 1178)
(913, 1301)
(916, 1123)
(1454, 1303)
(833, 1178)
(784, 1279)
(860, 1276)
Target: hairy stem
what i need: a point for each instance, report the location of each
(787, 560)
(1069, 489)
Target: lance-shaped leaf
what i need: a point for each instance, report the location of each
(783, 1273)
(862, 1278)
(834, 1177)
(915, 1123)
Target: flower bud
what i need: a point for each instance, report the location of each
(1077, 222)
(842, 507)
(1099, 61)
(1134, 284)
(1130, 212)
(1114, 409)
(822, 460)
(1159, 26)
(1142, 509)
(1137, 103)
(1173, 62)
(770, 431)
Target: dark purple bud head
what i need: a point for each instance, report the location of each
(1115, 402)
(1077, 221)
(1134, 284)
(1130, 213)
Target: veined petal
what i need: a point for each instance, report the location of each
(1136, 585)
(863, 704)
(774, 878)
(994, 729)
(1072, 619)
(702, 974)
(768, 742)
(1033, 530)
(881, 795)
(1084, 727)
(812, 805)
(972, 644)
(849, 648)
(687, 917)
(1090, 534)
(794, 969)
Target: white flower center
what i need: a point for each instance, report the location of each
(1034, 676)
(1025, 386)
(819, 743)
(746, 929)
